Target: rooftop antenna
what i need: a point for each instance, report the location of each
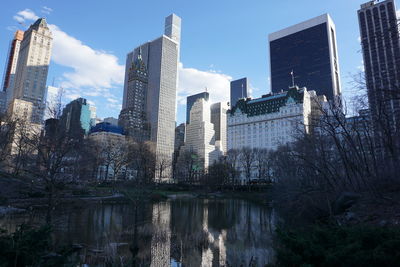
(292, 74)
(140, 53)
(206, 89)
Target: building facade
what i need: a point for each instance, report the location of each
(380, 40)
(180, 136)
(133, 116)
(93, 116)
(160, 57)
(11, 66)
(200, 134)
(3, 102)
(239, 90)
(106, 127)
(110, 143)
(22, 112)
(111, 120)
(270, 121)
(190, 101)
(32, 67)
(306, 55)
(75, 119)
(219, 119)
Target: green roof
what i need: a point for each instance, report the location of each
(268, 104)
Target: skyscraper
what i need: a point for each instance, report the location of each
(75, 119)
(11, 65)
(190, 101)
(219, 119)
(133, 117)
(306, 54)
(380, 42)
(200, 134)
(3, 100)
(160, 57)
(238, 90)
(32, 67)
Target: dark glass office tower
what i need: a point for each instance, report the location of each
(380, 40)
(238, 90)
(309, 51)
(190, 101)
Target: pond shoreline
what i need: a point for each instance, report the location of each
(122, 197)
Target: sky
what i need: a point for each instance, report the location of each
(220, 41)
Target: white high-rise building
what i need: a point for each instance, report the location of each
(93, 116)
(219, 119)
(200, 134)
(160, 58)
(272, 120)
(32, 67)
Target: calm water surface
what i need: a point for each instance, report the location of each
(188, 232)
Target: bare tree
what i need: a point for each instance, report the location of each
(54, 106)
(7, 127)
(142, 161)
(56, 152)
(188, 167)
(263, 163)
(232, 159)
(163, 166)
(23, 148)
(247, 157)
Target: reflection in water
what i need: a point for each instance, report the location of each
(198, 233)
(161, 239)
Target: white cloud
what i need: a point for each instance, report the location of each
(193, 81)
(72, 96)
(46, 10)
(112, 100)
(93, 72)
(91, 103)
(91, 68)
(19, 19)
(253, 89)
(24, 15)
(11, 28)
(114, 107)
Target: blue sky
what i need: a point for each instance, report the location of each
(221, 40)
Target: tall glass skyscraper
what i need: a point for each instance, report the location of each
(190, 101)
(160, 57)
(380, 40)
(306, 54)
(238, 90)
(75, 119)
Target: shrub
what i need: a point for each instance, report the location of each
(339, 246)
(30, 247)
(3, 201)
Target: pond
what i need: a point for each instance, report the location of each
(182, 232)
